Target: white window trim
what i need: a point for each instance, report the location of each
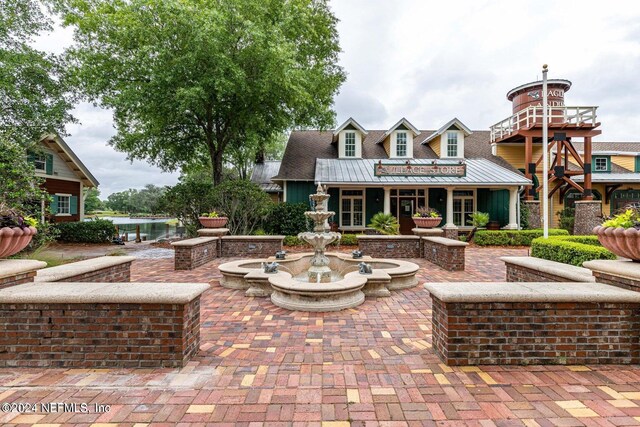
(364, 209)
(355, 143)
(444, 143)
(341, 144)
(44, 163)
(394, 145)
(64, 195)
(595, 164)
(475, 204)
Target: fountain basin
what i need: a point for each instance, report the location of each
(290, 289)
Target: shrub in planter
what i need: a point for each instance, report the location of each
(426, 217)
(96, 231)
(385, 224)
(568, 251)
(512, 237)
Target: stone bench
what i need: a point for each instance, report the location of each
(91, 325)
(192, 253)
(535, 323)
(18, 271)
(445, 253)
(250, 246)
(383, 246)
(102, 269)
(532, 269)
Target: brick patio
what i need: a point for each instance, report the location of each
(369, 366)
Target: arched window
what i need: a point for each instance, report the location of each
(572, 195)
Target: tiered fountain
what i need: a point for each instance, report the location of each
(320, 281)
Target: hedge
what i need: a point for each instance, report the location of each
(512, 237)
(96, 231)
(573, 250)
(346, 240)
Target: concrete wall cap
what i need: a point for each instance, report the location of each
(194, 242)
(444, 241)
(60, 272)
(571, 272)
(514, 292)
(106, 293)
(621, 268)
(252, 238)
(386, 237)
(15, 267)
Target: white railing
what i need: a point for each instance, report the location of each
(532, 116)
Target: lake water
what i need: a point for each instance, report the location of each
(153, 228)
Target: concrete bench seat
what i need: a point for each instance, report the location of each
(89, 325)
(532, 269)
(18, 271)
(445, 253)
(535, 323)
(101, 269)
(192, 253)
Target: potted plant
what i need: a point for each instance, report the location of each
(621, 234)
(426, 217)
(16, 231)
(213, 219)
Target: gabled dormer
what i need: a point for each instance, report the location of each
(349, 137)
(448, 141)
(398, 141)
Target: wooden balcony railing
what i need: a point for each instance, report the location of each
(532, 116)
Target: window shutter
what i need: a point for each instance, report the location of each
(73, 205)
(49, 164)
(31, 157)
(53, 206)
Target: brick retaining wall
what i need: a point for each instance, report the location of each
(18, 279)
(116, 273)
(450, 258)
(536, 333)
(390, 246)
(518, 273)
(250, 246)
(190, 257)
(619, 281)
(93, 335)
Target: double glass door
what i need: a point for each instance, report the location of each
(462, 207)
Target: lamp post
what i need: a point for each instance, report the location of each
(545, 156)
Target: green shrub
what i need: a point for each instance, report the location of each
(511, 237)
(524, 216)
(385, 224)
(97, 231)
(293, 241)
(349, 240)
(286, 219)
(585, 240)
(569, 251)
(566, 219)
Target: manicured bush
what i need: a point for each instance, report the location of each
(569, 250)
(349, 240)
(286, 219)
(512, 237)
(96, 231)
(293, 241)
(585, 240)
(346, 240)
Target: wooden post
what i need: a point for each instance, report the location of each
(138, 240)
(117, 231)
(529, 167)
(167, 230)
(587, 194)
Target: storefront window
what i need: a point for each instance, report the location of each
(462, 207)
(352, 212)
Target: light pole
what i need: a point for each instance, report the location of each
(545, 156)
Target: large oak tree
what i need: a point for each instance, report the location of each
(192, 79)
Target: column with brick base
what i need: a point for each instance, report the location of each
(533, 207)
(513, 209)
(588, 215)
(450, 229)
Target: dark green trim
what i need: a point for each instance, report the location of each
(73, 205)
(49, 164)
(637, 163)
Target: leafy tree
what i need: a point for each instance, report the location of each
(287, 219)
(19, 186)
(244, 203)
(91, 200)
(33, 96)
(137, 201)
(243, 157)
(191, 80)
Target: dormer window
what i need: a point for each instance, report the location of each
(452, 144)
(349, 144)
(401, 144)
(40, 162)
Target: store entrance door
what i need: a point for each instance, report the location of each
(406, 210)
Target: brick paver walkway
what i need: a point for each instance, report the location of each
(369, 366)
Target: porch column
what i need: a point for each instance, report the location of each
(513, 209)
(387, 200)
(449, 223)
(81, 201)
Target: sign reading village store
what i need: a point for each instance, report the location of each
(408, 169)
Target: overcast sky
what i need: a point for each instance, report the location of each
(430, 62)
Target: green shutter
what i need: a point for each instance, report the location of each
(73, 205)
(637, 163)
(31, 158)
(53, 206)
(49, 164)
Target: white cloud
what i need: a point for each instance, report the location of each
(431, 61)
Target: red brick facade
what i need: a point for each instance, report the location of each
(250, 246)
(390, 247)
(99, 335)
(17, 280)
(536, 333)
(54, 186)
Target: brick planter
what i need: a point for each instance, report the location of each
(623, 274)
(531, 269)
(250, 246)
(17, 271)
(192, 253)
(390, 246)
(445, 253)
(95, 270)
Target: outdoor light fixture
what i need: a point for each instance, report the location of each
(433, 162)
(379, 164)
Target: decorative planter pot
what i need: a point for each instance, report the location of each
(427, 222)
(624, 242)
(14, 239)
(218, 222)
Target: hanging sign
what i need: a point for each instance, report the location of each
(457, 170)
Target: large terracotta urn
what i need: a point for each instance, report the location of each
(217, 222)
(15, 239)
(624, 242)
(427, 222)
